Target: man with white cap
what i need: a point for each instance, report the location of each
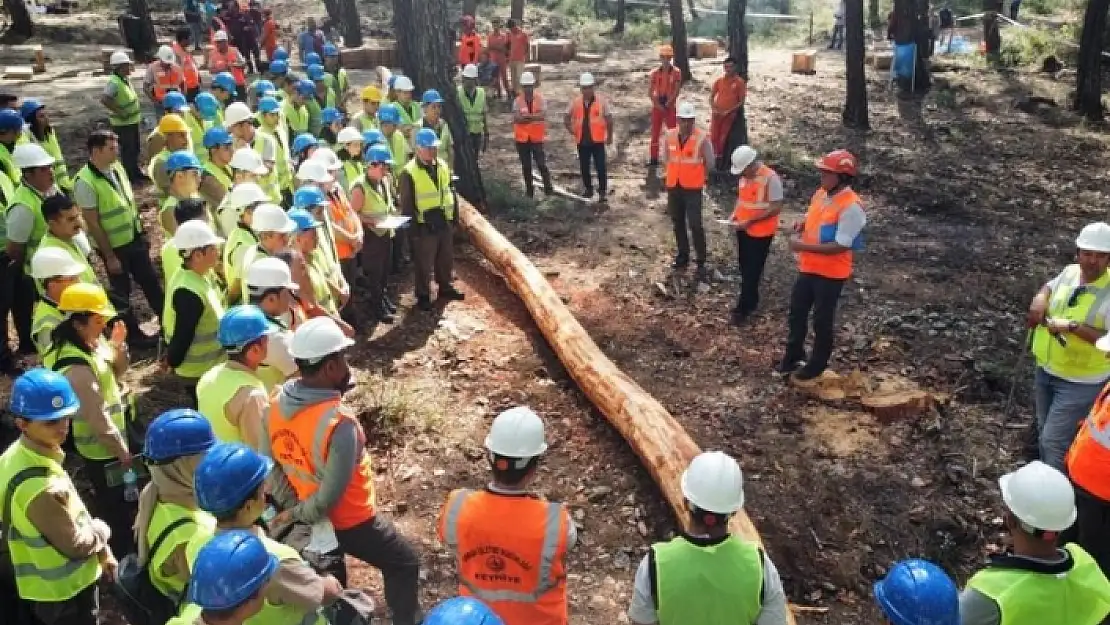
(1067, 316)
(709, 575)
(163, 75)
(472, 99)
(411, 111)
(239, 206)
(25, 224)
(508, 518)
(687, 159)
(54, 269)
(270, 286)
(530, 132)
(590, 121)
(1037, 582)
(240, 121)
(124, 113)
(272, 226)
(756, 220)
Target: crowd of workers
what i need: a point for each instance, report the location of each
(273, 202)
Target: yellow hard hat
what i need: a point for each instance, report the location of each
(371, 93)
(172, 122)
(666, 50)
(87, 298)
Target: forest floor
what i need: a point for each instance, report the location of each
(974, 194)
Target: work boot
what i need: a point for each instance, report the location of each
(680, 262)
(738, 318)
(451, 293)
(588, 192)
(383, 314)
(787, 367)
(423, 302)
(805, 375)
(701, 274)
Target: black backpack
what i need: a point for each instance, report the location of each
(140, 602)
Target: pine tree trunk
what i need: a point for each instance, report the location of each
(148, 40)
(352, 25)
(516, 11)
(855, 105)
(426, 44)
(693, 9)
(873, 19)
(21, 18)
(738, 49)
(470, 7)
(619, 26)
(678, 40)
(1088, 96)
(911, 19)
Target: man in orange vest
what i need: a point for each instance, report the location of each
(184, 59)
(511, 544)
(530, 131)
(519, 47)
(163, 75)
(497, 44)
(322, 474)
(590, 120)
(755, 219)
(1088, 466)
(470, 45)
(824, 244)
(664, 83)
(726, 99)
(687, 158)
(225, 57)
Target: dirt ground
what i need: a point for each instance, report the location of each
(973, 195)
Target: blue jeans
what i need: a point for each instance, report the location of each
(1061, 406)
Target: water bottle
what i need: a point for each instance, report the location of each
(130, 486)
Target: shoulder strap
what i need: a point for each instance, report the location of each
(166, 534)
(17, 480)
(68, 361)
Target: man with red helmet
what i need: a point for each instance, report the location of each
(824, 244)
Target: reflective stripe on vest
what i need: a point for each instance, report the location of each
(238, 242)
(318, 272)
(197, 129)
(280, 135)
(352, 171)
(53, 148)
(820, 227)
(164, 515)
(271, 182)
(365, 121)
(377, 205)
(599, 129)
(46, 317)
(30, 198)
(15, 175)
(708, 585)
(165, 80)
(399, 149)
(530, 132)
(1078, 361)
(189, 71)
(429, 194)
(232, 62)
(411, 113)
(340, 214)
(314, 115)
(295, 116)
(215, 390)
(222, 176)
(685, 166)
(1088, 459)
(474, 110)
(115, 402)
(118, 213)
(752, 201)
(127, 101)
(205, 351)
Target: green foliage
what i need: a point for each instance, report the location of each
(386, 405)
(1029, 46)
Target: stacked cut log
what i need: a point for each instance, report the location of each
(889, 397)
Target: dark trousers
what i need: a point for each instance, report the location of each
(837, 39)
(476, 142)
(252, 54)
(17, 297)
(819, 294)
(684, 207)
(378, 544)
(134, 258)
(1093, 527)
(80, 609)
(593, 152)
(107, 503)
(527, 152)
(129, 147)
(752, 254)
(376, 255)
(432, 253)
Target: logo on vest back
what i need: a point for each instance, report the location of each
(287, 449)
(496, 561)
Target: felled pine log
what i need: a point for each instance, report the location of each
(661, 443)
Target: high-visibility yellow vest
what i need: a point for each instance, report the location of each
(314, 115)
(45, 318)
(205, 351)
(115, 402)
(1078, 361)
(128, 102)
(474, 110)
(280, 134)
(164, 515)
(377, 205)
(295, 116)
(157, 164)
(88, 275)
(411, 113)
(687, 595)
(215, 390)
(446, 150)
(170, 203)
(30, 198)
(119, 214)
(429, 194)
(171, 260)
(53, 148)
(319, 273)
(343, 82)
(399, 148)
(365, 122)
(15, 175)
(8, 190)
(42, 573)
(238, 242)
(352, 171)
(222, 175)
(197, 128)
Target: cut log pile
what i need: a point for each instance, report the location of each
(889, 397)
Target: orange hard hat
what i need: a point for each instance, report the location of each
(666, 50)
(838, 162)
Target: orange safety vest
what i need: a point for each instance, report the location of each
(1088, 460)
(345, 218)
(165, 80)
(685, 167)
(188, 66)
(300, 446)
(821, 219)
(470, 46)
(530, 132)
(230, 62)
(752, 200)
(511, 552)
(598, 128)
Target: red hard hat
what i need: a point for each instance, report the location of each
(838, 162)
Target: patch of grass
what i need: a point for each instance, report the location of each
(785, 155)
(387, 405)
(1029, 46)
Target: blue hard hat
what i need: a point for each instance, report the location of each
(230, 569)
(304, 219)
(377, 153)
(173, 102)
(462, 611)
(306, 87)
(315, 72)
(225, 81)
(313, 59)
(242, 325)
(917, 592)
(280, 54)
(308, 198)
(43, 395)
(330, 115)
(262, 87)
(330, 49)
(207, 105)
(10, 120)
(268, 104)
(426, 138)
(279, 67)
(372, 136)
(431, 96)
(389, 114)
(304, 141)
(176, 433)
(182, 159)
(228, 474)
(29, 107)
(217, 136)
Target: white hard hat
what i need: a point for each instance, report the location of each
(403, 83)
(31, 155)
(314, 171)
(713, 482)
(165, 54)
(328, 157)
(51, 262)
(517, 433)
(742, 157)
(195, 234)
(318, 338)
(1094, 237)
(269, 273)
(347, 135)
(221, 35)
(235, 113)
(272, 218)
(586, 80)
(246, 193)
(248, 160)
(686, 110)
(527, 79)
(470, 71)
(119, 57)
(1040, 496)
